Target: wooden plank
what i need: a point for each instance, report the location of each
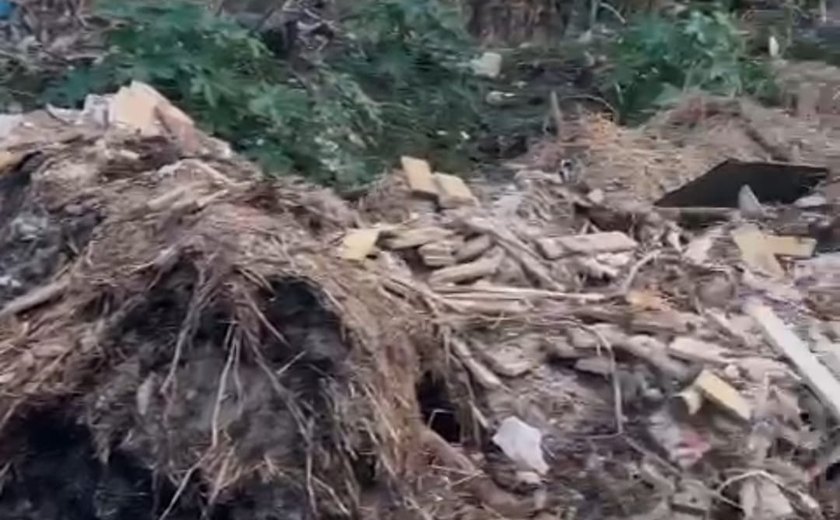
(358, 244)
(594, 243)
(483, 266)
(755, 251)
(818, 377)
(417, 237)
(723, 394)
(795, 247)
(420, 178)
(453, 192)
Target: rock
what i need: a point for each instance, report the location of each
(522, 443)
(489, 65)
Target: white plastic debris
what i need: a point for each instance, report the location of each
(749, 204)
(522, 443)
(489, 65)
(8, 122)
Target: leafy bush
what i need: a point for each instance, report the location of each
(396, 85)
(656, 58)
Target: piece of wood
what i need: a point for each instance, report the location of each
(358, 244)
(483, 375)
(416, 237)
(527, 258)
(453, 192)
(815, 374)
(594, 243)
(420, 178)
(8, 159)
(723, 394)
(755, 250)
(691, 349)
(473, 248)
(794, 247)
(484, 266)
(34, 298)
(134, 108)
(440, 253)
(594, 365)
(550, 248)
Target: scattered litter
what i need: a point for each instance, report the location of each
(488, 65)
(522, 443)
(749, 205)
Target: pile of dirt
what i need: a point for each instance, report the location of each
(185, 339)
(176, 339)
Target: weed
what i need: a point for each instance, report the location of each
(397, 84)
(657, 58)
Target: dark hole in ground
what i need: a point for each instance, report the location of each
(832, 472)
(438, 411)
(57, 476)
(771, 183)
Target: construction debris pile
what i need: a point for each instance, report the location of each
(180, 338)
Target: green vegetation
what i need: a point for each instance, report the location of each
(657, 57)
(396, 83)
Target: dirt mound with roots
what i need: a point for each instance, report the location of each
(178, 340)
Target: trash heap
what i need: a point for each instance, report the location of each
(181, 338)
